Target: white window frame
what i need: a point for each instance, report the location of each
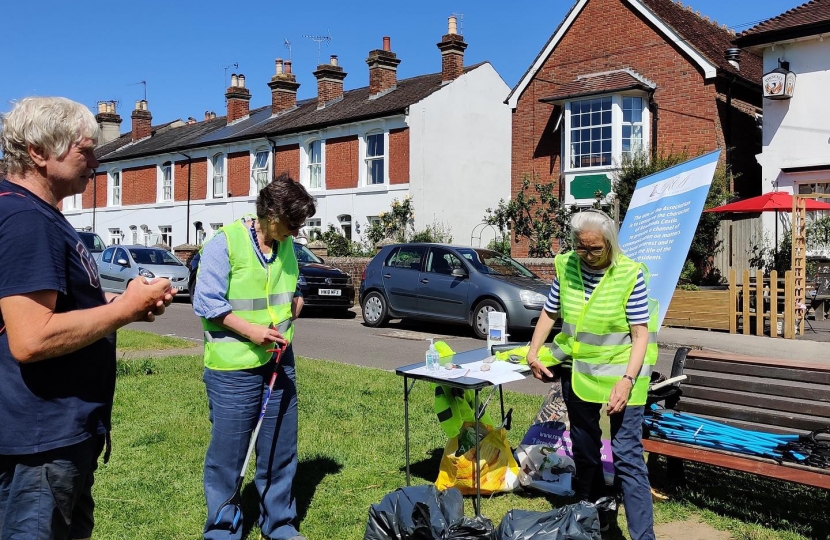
(616, 131)
(255, 186)
(213, 176)
(73, 202)
(368, 160)
(115, 236)
(133, 235)
(310, 225)
(166, 235)
(165, 183)
(115, 183)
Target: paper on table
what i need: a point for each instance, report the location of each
(499, 373)
(440, 373)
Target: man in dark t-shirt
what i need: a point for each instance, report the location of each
(57, 327)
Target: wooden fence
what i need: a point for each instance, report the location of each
(753, 305)
(736, 235)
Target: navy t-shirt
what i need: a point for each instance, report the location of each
(64, 400)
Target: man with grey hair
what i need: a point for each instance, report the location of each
(57, 327)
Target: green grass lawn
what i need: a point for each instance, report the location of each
(351, 455)
(136, 340)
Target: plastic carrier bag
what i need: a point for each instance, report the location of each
(499, 470)
(578, 521)
(424, 513)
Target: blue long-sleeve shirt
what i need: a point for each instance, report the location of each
(209, 300)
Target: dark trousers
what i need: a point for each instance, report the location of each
(629, 465)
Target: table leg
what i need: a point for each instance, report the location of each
(819, 309)
(478, 459)
(501, 401)
(406, 425)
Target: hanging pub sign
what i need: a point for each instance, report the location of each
(780, 82)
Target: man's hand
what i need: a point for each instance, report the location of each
(146, 299)
(265, 335)
(619, 396)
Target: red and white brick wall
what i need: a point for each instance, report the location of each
(139, 185)
(342, 162)
(239, 173)
(399, 156)
(288, 161)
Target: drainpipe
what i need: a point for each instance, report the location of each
(94, 196)
(187, 219)
(727, 130)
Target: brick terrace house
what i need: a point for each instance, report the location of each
(622, 75)
(355, 151)
(796, 131)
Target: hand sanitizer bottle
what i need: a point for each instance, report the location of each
(433, 359)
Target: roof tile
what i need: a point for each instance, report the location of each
(811, 13)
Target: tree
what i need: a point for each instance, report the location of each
(540, 218)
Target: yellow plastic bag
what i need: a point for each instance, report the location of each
(499, 470)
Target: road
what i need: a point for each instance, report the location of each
(346, 339)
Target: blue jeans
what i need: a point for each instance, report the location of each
(629, 465)
(48, 495)
(235, 399)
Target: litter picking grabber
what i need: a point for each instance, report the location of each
(234, 503)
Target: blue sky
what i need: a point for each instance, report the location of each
(91, 50)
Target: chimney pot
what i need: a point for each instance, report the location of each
(241, 80)
(283, 87)
(288, 66)
(207, 115)
(102, 107)
(234, 80)
(333, 60)
(138, 105)
(383, 69)
(111, 107)
(452, 25)
(278, 63)
(387, 43)
(733, 56)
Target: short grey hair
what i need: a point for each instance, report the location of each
(50, 124)
(596, 220)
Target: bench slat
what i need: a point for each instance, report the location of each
(776, 362)
(771, 387)
(764, 467)
(782, 372)
(804, 407)
(790, 420)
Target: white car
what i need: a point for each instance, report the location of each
(119, 265)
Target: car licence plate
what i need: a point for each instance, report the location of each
(329, 292)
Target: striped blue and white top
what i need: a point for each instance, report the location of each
(636, 309)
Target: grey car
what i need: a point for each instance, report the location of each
(119, 265)
(450, 284)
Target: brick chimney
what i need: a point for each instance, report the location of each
(383, 69)
(329, 82)
(108, 122)
(452, 47)
(238, 98)
(142, 121)
(283, 87)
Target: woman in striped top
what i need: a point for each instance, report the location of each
(594, 237)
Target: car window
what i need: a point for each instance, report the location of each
(305, 255)
(442, 261)
(154, 256)
(107, 256)
(92, 241)
(494, 263)
(121, 254)
(407, 257)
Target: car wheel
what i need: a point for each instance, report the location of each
(480, 314)
(375, 312)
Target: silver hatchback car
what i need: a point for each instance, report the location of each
(119, 265)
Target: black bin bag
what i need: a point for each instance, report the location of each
(424, 513)
(578, 521)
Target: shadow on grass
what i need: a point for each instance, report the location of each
(426, 469)
(749, 498)
(309, 475)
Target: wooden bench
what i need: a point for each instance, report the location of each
(761, 394)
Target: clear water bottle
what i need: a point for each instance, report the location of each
(433, 359)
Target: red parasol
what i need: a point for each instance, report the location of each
(769, 202)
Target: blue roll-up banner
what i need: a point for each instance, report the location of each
(661, 221)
